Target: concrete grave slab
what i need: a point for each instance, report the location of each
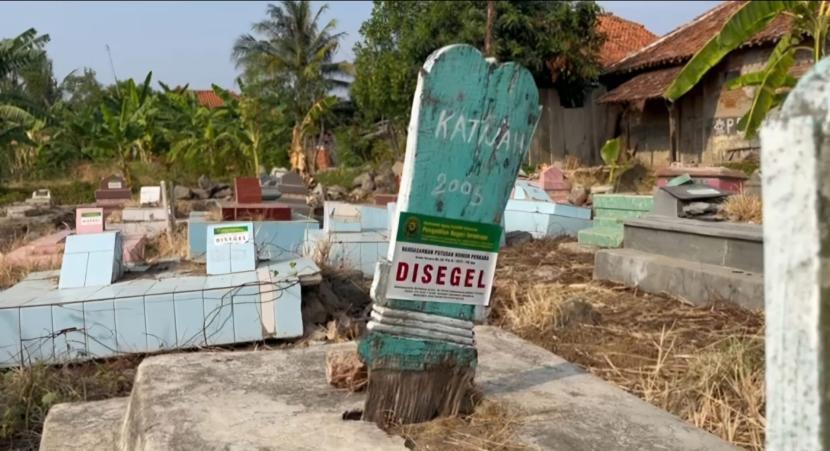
(279, 400)
(113, 191)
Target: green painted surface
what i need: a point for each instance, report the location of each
(609, 223)
(601, 237)
(475, 121)
(410, 354)
(680, 180)
(611, 213)
(624, 202)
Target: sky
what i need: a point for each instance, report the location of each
(190, 42)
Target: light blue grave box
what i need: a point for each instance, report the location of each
(10, 336)
(196, 235)
(69, 331)
(189, 311)
(230, 248)
(341, 217)
(247, 311)
(281, 300)
(91, 260)
(160, 315)
(36, 334)
(218, 299)
(130, 318)
(99, 321)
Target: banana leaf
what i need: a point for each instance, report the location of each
(751, 18)
(775, 77)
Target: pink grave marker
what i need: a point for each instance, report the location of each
(89, 220)
(553, 182)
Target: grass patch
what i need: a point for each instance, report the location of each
(340, 176)
(64, 192)
(743, 208)
(26, 394)
(745, 166)
(704, 364)
(493, 426)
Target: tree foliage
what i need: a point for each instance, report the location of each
(557, 41)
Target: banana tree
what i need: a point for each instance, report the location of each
(809, 32)
(124, 127)
(303, 128)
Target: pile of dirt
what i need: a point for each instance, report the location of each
(704, 364)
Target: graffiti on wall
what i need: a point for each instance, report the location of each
(725, 126)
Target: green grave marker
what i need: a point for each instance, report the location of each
(471, 125)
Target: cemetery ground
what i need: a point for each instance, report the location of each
(703, 364)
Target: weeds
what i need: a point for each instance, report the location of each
(26, 394)
(703, 364)
(162, 246)
(492, 426)
(743, 208)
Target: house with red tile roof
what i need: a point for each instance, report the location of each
(579, 132)
(208, 98)
(701, 126)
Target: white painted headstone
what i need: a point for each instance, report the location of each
(150, 195)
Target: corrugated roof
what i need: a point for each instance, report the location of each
(647, 85)
(679, 45)
(623, 37)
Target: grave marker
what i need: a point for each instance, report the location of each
(230, 248)
(89, 220)
(112, 192)
(471, 124)
(41, 197)
(553, 182)
(795, 157)
(150, 195)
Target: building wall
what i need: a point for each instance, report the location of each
(708, 118)
(564, 132)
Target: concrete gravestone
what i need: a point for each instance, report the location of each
(150, 195)
(795, 157)
(471, 124)
(112, 192)
(89, 220)
(41, 197)
(553, 182)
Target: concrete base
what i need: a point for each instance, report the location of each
(696, 282)
(280, 400)
(83, 426)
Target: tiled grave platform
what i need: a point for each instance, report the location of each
(274, 240)
(149, 312)
(353, 236)
(530, 209)
(609, 212)
(699, 261)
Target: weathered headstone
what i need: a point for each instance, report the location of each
(795, 157)
(553, 182)
(230, 248)
(150, 195)
(471, 124)
(248, 190)
(89, 220)
(112, 192)
(41, 198)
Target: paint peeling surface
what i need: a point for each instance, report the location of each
(472, 124)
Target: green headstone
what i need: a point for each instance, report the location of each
(471, 125)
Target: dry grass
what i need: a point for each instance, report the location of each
(493, 426)
(12, 273)
(703, 364)
(26, 394)
(345, 370)
(588, 176)
(162, 246)
(743, 208)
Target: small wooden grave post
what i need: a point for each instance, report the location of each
(471, 125)
(795, 157)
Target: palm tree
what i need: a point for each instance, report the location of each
(296, 56)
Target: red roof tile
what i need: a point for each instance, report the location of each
(622, 38)
(209, 99)
(647, 85)
(680, 44)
